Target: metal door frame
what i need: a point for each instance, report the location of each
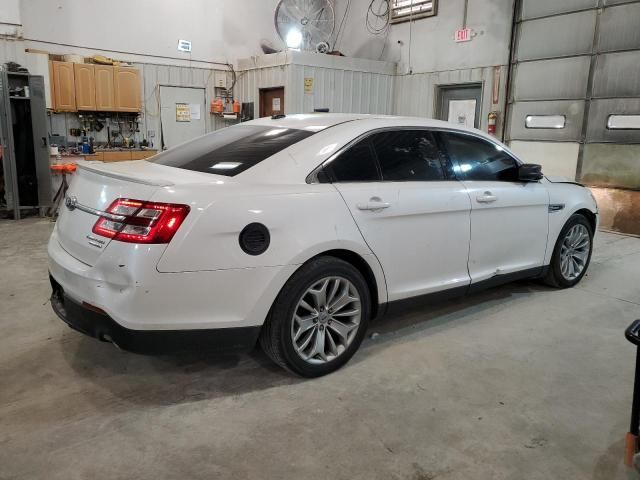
(203, 114)
(441, 89)
(261, 91)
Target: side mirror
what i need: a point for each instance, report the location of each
(529, 172)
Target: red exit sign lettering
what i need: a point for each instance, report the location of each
(463, 35)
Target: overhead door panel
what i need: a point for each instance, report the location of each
(571, 110)
(601, 130)
(619, 28)
(552, 79)
(617, 75)
(559, 36)
(542, 8)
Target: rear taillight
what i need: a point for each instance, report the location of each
(135, 221)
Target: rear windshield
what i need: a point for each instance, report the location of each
(231, 150)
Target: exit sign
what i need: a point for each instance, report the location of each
(463, 35)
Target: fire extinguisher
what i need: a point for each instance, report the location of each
(493, 120)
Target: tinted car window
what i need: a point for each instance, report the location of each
(231, 150)
(408, 155)
(357, 164)
(479, 159)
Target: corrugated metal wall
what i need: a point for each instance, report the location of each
(340, 90)
(11, 50)
(416, 95)
(155, 75)
(580, 59)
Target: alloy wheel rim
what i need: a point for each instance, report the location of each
(574, 252)
(326, 320)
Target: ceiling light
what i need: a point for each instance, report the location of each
(225, 165)
(294, 38)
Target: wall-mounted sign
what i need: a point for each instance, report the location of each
(308, 84)
(183, 112)
(184, 45)
(462, 112)
(463, 35)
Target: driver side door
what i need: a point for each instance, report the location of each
(509, 218)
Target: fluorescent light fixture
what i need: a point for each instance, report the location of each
(294, 38)
(623, 122)
(225, 165)
(545, 121)
(275, 131)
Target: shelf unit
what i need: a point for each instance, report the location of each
(25, 150)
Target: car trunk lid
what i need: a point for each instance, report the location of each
(95, 186)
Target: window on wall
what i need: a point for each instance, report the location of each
(405, 10)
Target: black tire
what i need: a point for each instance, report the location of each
(554, 276)
(275, 337)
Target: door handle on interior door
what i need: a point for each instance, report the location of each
(374, 203)
(486, 197)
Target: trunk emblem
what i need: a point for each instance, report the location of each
(71, 202)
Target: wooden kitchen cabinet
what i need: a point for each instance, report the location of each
(105, 94)
(63, 85)
(85, 83)
(127, 89)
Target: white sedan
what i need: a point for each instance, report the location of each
(297, 230)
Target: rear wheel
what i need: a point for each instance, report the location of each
(572, 253)
(319, 318)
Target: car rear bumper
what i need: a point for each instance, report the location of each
(125, 285)
(95, 323)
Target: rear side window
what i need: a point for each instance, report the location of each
(408, 155)
(477, 159)
(357, 164)
(231, 150)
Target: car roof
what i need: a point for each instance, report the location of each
(309, 121)
(317, 122)
(293, 164)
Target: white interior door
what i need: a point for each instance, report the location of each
(182, 114)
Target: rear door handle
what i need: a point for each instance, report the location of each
(374, 203)
(486, 197)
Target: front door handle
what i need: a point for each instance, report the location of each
(374, 203)
(486, 197)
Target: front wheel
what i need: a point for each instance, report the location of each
(572, 253)
(319, 318)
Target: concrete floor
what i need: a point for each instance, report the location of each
(521, 382)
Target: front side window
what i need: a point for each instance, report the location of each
(408, 155)
(356, 164)
(478, 159)
(231, 150)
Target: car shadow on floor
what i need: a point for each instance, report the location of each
(196, 376)
(431, 317)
